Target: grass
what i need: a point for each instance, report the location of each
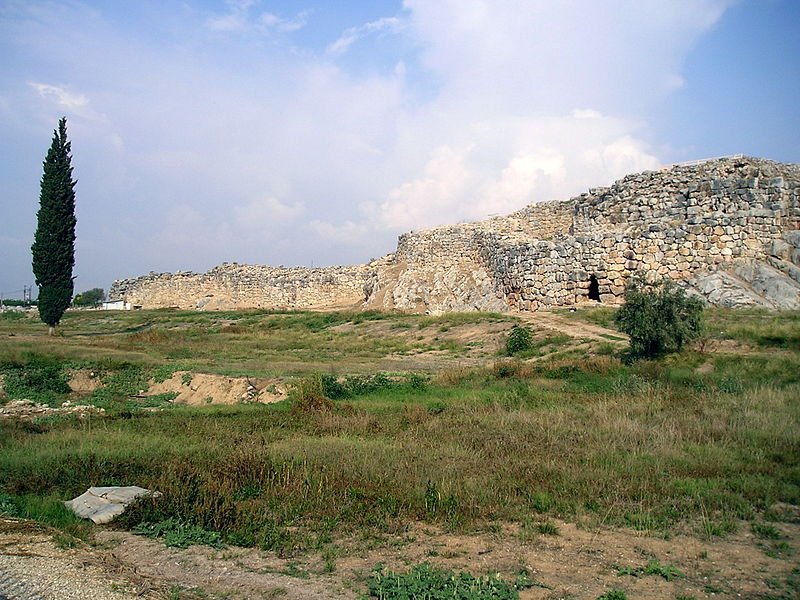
(255, 342)
(653, 567)
(759, 328)
(691, 442)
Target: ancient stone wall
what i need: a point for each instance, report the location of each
(737, 215)
(231, 286)
(671, 223)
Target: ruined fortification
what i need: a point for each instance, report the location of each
(728, 229)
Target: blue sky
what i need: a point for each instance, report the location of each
(292, 132)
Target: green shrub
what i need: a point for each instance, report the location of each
(520, 339)
(350, 386)
(659, 318)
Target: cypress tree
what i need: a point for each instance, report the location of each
(54, 242)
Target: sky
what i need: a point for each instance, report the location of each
(294, 132)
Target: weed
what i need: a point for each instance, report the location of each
(613, 595)
(653, 567)
(177, 534)
(780, 549)
(652, 445)
(51, 511)
(547, 528)
(425, 581)
(718, 527)
(350, 386)
(8, 507)
(542, 501)
(40, 378)
(293, 569)
(520, 339)
(764, 531)
(308, 396)
(329, 556)
(11, 316)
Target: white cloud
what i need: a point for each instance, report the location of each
(265, 213)
(353, 34)
(535, 55)
(433, 197)
(272, 21)
(621, 156)
(240, 19)
(63, 97)
(348, 232)
(518, 182)
(586, 113)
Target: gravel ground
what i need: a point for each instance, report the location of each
(32, 567)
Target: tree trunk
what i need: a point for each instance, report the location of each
(51, 330)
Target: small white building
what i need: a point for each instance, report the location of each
(115, 305)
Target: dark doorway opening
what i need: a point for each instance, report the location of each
(594, 288)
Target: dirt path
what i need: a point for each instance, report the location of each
(572, 327)
(577, 562)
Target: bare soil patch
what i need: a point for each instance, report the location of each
(83, 382)
(198, 389)
(576, 329)
(576, 563)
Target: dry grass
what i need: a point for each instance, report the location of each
(659, 446)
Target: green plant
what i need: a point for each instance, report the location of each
(37, 377)
(308, 396)
(767, 532)
(8, 507)
(425, 581)
(547, 528)
(520, 339)
(613, 595)
(653, 567)
(659, 318)
(53, 246)
(177, 534)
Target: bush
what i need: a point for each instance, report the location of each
(519, 340)
(308, 396)
(659, 317)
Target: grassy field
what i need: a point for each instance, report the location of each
(399, 418)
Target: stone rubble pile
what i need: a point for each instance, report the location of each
(28, 409)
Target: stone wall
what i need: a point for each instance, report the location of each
(672, 223)
(739, 216)
(232, 286)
